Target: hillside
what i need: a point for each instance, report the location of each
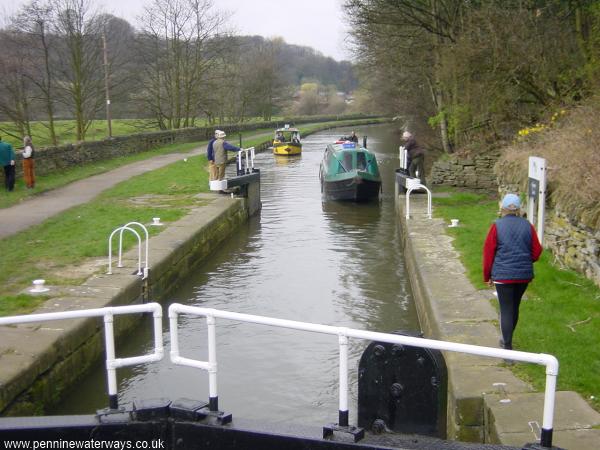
(298, 64)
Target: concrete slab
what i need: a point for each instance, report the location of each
(581, 439)
(571, 412)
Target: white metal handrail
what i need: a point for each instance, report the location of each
(121, 229)
(112, 362)
(143, 227)
(414, 184)
(403, 157)
(549, 361)
(248, 153)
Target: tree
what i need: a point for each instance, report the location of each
(180, 53)
(486, 65)
(34, 21)
(15, 89)
(81, 86)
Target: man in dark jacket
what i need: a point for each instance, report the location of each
(220, 148)
(416, 157)
(7, 161)
(210, 155)
(511, 247)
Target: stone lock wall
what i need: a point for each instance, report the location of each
(476, 172)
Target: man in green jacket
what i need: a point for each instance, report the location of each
(7, 160)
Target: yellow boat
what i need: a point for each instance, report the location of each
(287, 141)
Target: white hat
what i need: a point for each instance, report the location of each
(407, 135)
(220, 134)
(217, 133)
(511, 202)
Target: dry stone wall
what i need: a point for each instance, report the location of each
(476, 172)
(573, 245)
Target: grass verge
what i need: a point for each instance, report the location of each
(561, 311)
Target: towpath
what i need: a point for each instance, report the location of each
(38, 208)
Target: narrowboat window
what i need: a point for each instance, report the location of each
(327, 158)
(348, 160)
(361, 161)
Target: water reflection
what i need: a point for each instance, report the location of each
(301, 259)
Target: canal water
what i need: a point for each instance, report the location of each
(301, 259)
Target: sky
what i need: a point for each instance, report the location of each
(314, 23)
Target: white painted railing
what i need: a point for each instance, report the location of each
(112, 362)
(128, 226)
(403, 156)
(120, 263)
(414, 184)
(549, 361)
(246, 154)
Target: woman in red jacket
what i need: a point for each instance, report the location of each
(510, 249)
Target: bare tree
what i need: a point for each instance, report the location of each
(34, 20)
(177, 43)
(80, 51)
(15, 89)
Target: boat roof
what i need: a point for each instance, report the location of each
(287, 129)
(346, 145)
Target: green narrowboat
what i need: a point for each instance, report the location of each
(349, 172)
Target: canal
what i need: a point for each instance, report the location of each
(338, 264)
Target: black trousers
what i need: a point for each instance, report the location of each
(9, 177)
(509, 297)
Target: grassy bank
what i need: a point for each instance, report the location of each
(69, 247)
(561, 312)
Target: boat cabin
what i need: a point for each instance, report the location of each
(287, 135)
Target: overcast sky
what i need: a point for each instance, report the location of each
(315, 23)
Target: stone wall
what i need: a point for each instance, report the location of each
(51, 159)
(574, 245)
(476, 172)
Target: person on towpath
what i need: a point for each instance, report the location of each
(511, 247)
(416, 157)
(220, 148)
(7, 161)
(210, 155)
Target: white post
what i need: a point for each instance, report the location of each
(111, 372)
(537, 194)
(403, 158)
(343, 387)
(213, 397)
(549, 399)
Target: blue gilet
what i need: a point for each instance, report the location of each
(513, 250)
